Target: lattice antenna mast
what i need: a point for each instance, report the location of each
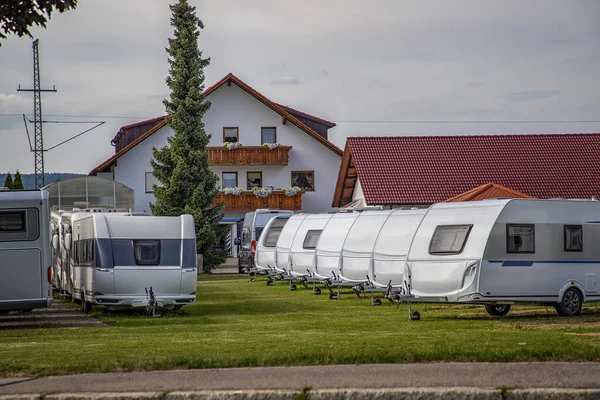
(37, 120)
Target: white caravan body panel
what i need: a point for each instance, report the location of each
(328, 255)
(302, 252)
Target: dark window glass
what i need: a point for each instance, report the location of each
(520, 238)
(147, 252)
(449, 239)
(12, 221)
(573, 238)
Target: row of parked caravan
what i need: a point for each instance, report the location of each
(124, 260)
(491, 252)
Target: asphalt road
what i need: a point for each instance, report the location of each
(372, 376)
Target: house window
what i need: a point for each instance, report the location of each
(573, 237)
(449, 239)
(231, 135)
(229, 179)
(312, 238)
(268, 135)
(254, 180)
(304, 179)
(520, 238)
(151, 180)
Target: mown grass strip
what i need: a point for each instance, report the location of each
(237, 323)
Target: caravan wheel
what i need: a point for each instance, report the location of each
(497, 310)
(571, 303)
(86, 306)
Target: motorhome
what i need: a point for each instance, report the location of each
(254, 223)
(25, 255)
(128, 260)
(504, 252)
(264, 259)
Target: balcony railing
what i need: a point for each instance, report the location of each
(248, 155)
(248, 201)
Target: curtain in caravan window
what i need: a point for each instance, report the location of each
(573, 238)
(449, 239)
(520, 238)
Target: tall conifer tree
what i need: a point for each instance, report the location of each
(18, 182)
(8, 181)
(188, 185)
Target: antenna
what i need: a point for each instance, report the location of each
(37, 117)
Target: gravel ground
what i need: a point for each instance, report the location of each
(60, 315)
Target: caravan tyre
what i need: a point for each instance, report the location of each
(570, 304)
(497, 310)
(86, 306)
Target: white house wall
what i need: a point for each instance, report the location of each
(233, 107)
(358, 192)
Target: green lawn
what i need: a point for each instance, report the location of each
(236, 322)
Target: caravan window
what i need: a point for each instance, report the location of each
(449, 239)
(573, 238)
(520, 238)
(147, 252)
(274, 232)
(12, 221)
(312, 238)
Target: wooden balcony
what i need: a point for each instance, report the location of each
(247, 201)
(248, 155)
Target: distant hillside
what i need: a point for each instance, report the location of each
(50, 177)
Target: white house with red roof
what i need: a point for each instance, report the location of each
(422, 170)
(301, 155)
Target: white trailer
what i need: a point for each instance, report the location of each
(328, 254)
(302, 250)
(503, 252)
(25, 254)
(284, 244)
(264, 259)
(392, 246)
(127, 260)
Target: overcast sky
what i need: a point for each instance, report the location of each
(359, 63)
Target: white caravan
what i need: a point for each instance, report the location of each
(357, 250)
(264, 259)
(127, 260)
(302, 250)
(25, 255)
(392, 246)
(284, 244)
(502, 252)
(328, 254)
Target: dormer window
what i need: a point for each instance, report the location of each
(268, 135)
(231, 134)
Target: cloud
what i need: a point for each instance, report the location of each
(531, 95)
(285, 81)
(13, 103)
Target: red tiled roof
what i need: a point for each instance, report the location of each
(428, 169)
(121, 132)
(106, 164)
(490, 191)
(231, 79)
(329, 124)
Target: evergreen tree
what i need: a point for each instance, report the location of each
(18, 182)
(188, 185)
(8, 182)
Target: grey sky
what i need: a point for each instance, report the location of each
(350, 60)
